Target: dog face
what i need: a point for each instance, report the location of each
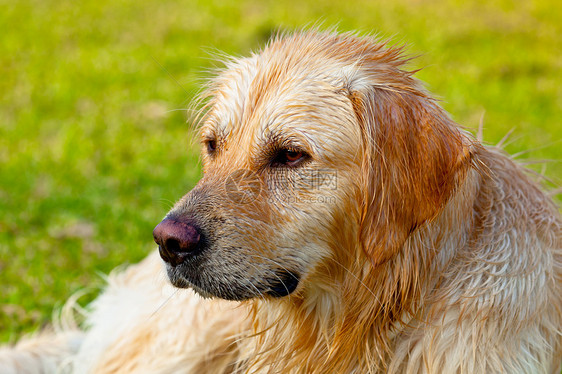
(293, 171)
(274, 156)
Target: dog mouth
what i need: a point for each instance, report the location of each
(284, 284)
(194, 260)
(280, 284)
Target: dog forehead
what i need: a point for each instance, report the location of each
(265, 96)
(289, 63)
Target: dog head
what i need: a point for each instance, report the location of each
(320, 148)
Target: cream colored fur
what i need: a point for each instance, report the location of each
(433, 255)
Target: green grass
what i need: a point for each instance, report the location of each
(93, 151)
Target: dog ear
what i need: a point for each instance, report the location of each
(414, 158)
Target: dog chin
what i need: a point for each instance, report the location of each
(284, 284)
(198, 290)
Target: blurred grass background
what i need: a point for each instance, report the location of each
(95, 148)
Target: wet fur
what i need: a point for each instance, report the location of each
(433, 255)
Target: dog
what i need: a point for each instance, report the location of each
(344, 224)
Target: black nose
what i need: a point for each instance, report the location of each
(177, 240)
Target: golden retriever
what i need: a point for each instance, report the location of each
(344, 224)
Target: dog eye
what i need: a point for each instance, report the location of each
(288, 157)
(211, 145)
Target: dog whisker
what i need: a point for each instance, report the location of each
(357, 278)
(164, 303)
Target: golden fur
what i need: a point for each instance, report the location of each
(434, 254)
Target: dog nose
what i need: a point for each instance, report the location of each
(176, 240)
